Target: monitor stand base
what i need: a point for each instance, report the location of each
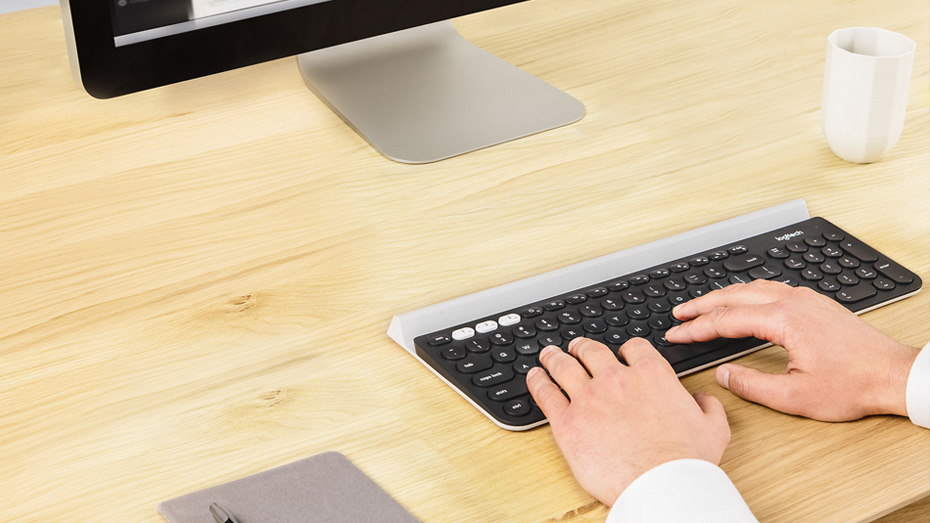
(425, 94)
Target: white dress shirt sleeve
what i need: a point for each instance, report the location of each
(918, 389)
(691, 490)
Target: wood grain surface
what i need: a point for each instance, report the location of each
(197, 280)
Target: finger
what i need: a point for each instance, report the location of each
(596, 357)
(771, 390)
(766, 322)
(711, 407)
(564, 369)
(638, 349)
(753, 293)
(547, 394)
(716, 416)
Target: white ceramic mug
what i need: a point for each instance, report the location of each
(865, 85)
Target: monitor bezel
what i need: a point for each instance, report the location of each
(105, 70)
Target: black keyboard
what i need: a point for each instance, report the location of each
(487, 359)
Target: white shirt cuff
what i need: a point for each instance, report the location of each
(918, 389)
(691, 490)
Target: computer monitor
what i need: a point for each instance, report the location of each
(394, 70)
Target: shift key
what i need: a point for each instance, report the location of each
(855, 293)
(894, 271)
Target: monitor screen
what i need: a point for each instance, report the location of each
(396, 71)
(123, 46)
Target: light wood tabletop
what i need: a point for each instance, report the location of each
(197, 280)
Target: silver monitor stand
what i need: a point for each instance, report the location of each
(425, 94)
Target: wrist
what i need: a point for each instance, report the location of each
(892, 394)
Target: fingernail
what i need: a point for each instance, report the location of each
(548, 349)
(671, 331)
(532, 372)
(723, 377)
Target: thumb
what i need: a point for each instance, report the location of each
(771, 390)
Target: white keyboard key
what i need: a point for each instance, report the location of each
(463, 334)
(509, 319)
(486, 326)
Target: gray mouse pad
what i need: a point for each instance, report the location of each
(322, 488)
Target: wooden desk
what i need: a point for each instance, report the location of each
(197, 280)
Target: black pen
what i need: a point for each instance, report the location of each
(222, 515)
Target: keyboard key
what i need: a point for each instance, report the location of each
(486, 326)
(883, 284)
(554, 305)
(592, 311)
(633, 297)
(653, 290)
(828, 286)
(463, 334)
(813, 257)
(696, 278)
(831, 252)
(638, 313)
(501, 338)
(474, 363)
(453, 352)
(595, 326)
(619, 285)
(508, 390)
(718, 255)
(847, 279)
(518, 408)
(859, 250)
(598, 292)
(493, 377)
(527, 348)
(477, 345)
(504, 355)
(509, 319)
(857, 293)
(612, 304)
(812, 274)
(743, 262)
(549, 339)
(738, 249)
(779, 253)
(568, 318)
(524, 331)
(545, 324)
(740, 278)
(616, 337)
(532, 312)
(640, 279)
(849, 262)
(796, 247)
(439, 339)
(894, 272)
(765, 272)
(866, 273)
(575, 299)
(616, 320)
(815, 241)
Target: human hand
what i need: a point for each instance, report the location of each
(839, 367)
(623, 420)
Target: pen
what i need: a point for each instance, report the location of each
(222, 515)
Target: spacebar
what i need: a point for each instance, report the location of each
(679, 353)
